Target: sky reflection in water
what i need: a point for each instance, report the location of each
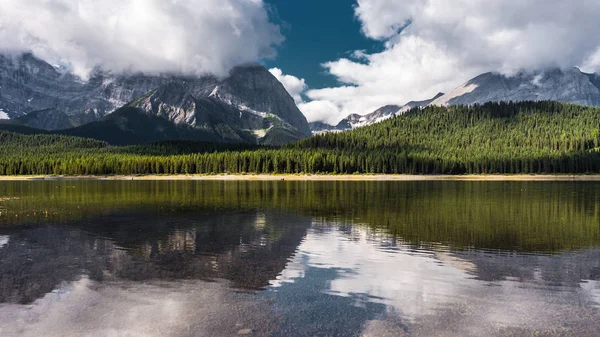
(175, 262)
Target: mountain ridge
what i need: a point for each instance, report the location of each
(561, 85)
(249, 105)
(354, 121)
(245, 106)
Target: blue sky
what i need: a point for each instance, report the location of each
(316, 31)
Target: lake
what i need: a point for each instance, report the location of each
(213, 258)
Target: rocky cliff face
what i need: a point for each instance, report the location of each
(49, 119)
(249, 104)
(250, 101)
(28, 84)
(355, 121)
(568, 86)
(254, 87)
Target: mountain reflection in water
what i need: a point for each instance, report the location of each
(299, 259)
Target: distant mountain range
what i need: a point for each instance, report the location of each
(567, 86)
(249, 106)
(355, 120)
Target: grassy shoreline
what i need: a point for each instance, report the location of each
(316, 177)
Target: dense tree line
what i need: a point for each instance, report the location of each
(527, 137)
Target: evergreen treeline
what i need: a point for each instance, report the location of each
(526, 137)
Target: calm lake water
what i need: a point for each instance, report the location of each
(130, 258)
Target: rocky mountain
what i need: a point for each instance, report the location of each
(28, 84)
(568, 86)
(250, 105)
(355, 120)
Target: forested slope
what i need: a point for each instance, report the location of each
(509, 138)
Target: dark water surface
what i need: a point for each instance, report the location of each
(131, 258)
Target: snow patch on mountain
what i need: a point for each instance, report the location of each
(460, 91)
(244, 108)
(3, 115)
(215, 92)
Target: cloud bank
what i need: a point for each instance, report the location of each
(435, 45)
(189, 36)
(295, 86)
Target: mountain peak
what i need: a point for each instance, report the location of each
(563, 85)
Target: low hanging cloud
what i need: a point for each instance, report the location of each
(151, 36)
(435, 45)
(313, 110)
(295, 86)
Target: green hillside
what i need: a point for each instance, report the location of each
(506, 138)
(527, 137)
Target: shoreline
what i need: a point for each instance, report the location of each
(314, 177)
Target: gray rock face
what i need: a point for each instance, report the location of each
(250, 103)
(352, 121)
(568, 86)
(50, 119)
(381, 114)
(256, 88)
(28, 84)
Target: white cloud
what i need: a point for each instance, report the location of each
(190, 36)
(448, 42)
(394, 278)
(127, 308)
(592, 64)
(382, 18)
(320, 110)
(295, 86)
(422, 288)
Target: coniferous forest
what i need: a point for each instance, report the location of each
(494, 138)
